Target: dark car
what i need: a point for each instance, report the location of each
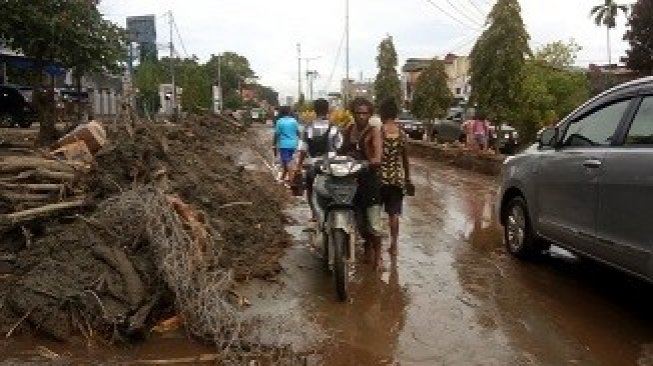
(587, 186)
(505, 139)
(15, 110)
(450, 128)
(412, 127)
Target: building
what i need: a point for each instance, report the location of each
(165, 99)
(142, 30)
(604, 77)
(290, 100)
(353, 89)
(457, 70)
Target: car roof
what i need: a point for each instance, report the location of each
(618, 91)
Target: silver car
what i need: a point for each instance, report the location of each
(587, 186)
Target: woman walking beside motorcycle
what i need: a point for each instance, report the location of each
(395, 169)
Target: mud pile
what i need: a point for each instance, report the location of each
(94, 272)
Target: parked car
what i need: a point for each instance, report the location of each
(450, 129)
(15, 110)
(587, 186)
(412, 127)
(505, 139)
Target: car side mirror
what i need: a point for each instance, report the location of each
(548, 137)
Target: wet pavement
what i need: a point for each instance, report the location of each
(451, 297)
(454, 297)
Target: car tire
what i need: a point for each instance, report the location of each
(519, 236)
(24, 122)
(7, 120)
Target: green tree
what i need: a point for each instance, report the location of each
(559, 53)
(233, 70)
(606, 15)
(432, 97)
(387, 84)
(147, 78)
(549, 93)
(70, 32)
(640, 36)
(196, 85)
(497, 63)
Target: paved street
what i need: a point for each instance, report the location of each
(454, 297)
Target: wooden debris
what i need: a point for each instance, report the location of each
(16, 219)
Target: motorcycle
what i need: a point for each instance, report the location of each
(334, 189)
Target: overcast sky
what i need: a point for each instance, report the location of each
(266, 32)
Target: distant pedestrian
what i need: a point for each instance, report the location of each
(467, 127)
(395, 169)
(481, 130)
(286, 139)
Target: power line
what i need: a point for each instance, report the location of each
(478, 8)
(463, 13)
(448, 14)
(335, 62)
(183, 46)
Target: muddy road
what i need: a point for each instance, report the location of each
(453, 296)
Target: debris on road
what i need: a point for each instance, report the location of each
(159, 222)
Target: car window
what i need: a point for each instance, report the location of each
(597, 128)
(641, 131)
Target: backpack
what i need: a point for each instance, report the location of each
(319, 145)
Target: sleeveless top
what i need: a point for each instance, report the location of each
(392, 169)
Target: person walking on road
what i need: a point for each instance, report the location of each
(364, 142)
(318, 138)
(481, 129)
(286, 139)
(395, 169)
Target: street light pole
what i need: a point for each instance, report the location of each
(299, 72)
(220, 103)
(172, 69)
(346, 96)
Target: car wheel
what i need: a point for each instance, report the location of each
(25, 123)
(518, 232)
(7, 120)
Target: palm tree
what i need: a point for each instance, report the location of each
(606, 14)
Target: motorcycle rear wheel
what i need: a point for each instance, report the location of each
(341, 267)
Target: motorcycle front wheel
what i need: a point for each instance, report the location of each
(340, 241)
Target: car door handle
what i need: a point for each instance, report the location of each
(592, 163)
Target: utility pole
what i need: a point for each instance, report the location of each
(309, 79)
(220, 102)
(346, 96)
(299, 72)
(172, 69)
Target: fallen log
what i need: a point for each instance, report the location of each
(118, 260)
(33, 186)
(22, 197)
(15, 164)
(42, 174)
(16, 219)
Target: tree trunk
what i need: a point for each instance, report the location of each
(78, 82)
(44, 102)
